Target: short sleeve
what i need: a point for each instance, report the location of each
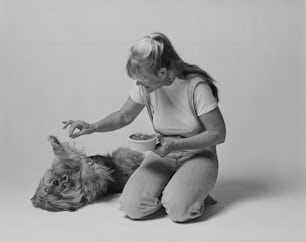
(136, 94)
(204, 100)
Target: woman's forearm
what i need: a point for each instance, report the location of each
(112, 122)
(200, 141)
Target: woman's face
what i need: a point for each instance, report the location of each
(153, 82)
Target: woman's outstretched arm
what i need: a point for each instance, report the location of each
(121, 118)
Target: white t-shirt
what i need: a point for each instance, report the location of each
(173, 113)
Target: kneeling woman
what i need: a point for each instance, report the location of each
(182, 101)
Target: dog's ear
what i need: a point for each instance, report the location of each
(57, 147)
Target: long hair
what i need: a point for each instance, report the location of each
(154, 52)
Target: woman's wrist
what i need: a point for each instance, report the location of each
(175, 144)
(92, 128)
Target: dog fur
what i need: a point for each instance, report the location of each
(75, 179)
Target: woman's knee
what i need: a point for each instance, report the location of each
(139, 207)
(140, 196)
(181, 211)
(183, 197)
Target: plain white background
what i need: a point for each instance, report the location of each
(63, 60)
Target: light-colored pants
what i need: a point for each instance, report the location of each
(179, 183)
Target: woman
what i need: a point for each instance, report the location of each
(183, 102)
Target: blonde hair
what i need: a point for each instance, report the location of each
(154, 52)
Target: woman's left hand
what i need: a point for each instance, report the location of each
(165, 145)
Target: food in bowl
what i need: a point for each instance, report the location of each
(140, 136)
(142, 142)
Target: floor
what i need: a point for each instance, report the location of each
(247, 210)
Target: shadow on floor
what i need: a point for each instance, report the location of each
(236, 190)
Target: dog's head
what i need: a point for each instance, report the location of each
(72, 181)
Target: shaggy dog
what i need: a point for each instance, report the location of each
(75, 179)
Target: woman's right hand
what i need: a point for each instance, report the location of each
(82, 126)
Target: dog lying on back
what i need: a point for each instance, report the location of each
(75, 179)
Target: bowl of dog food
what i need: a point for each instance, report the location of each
(142, 142)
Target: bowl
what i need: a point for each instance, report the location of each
(142, 142)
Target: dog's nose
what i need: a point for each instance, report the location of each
(35, 201)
